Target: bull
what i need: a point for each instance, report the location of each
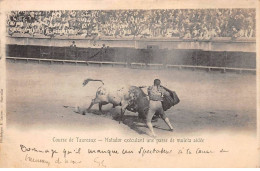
(130, 98)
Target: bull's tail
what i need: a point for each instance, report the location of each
(85, 82)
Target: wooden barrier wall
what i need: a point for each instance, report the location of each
(193, 57)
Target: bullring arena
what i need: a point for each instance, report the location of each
(212, 69)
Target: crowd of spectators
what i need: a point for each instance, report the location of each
(201, 24)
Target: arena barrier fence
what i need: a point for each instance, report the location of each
(209, 68)
(132, 65)
(51, 61)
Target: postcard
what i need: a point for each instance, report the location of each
(129, 84)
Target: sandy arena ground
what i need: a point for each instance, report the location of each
(218, 108)
(210, 101)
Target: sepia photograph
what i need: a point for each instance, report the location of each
(111, 84)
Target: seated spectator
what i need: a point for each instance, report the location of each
(249, 32)
(187, 35)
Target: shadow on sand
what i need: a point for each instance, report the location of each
(132, 121)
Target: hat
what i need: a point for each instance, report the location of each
(156, 80)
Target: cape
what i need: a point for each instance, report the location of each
(171, 100)
(140, 103)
